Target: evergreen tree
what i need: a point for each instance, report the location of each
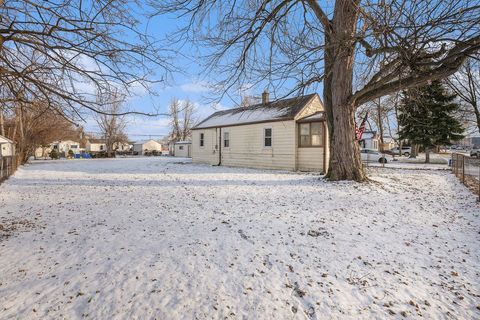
(428, 117)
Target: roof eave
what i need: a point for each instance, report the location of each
(244, 123)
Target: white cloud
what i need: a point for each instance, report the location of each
(195, 87)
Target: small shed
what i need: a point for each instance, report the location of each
(7, 147)
(183, 149)
(144, 146)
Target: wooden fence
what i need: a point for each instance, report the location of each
(8, 165)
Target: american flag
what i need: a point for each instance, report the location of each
(360, 130)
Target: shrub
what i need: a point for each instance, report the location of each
(54, 154)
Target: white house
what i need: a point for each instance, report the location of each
(65, 146)
(96, 145)
(183, 149)
(147, 145)
(370, 140)
(122, 146)
(286, 134)
(7, 147)
(388, 143)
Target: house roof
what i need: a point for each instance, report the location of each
(183, 142)
(96, 140)
(5, 140)
(145, 141)
(317, 116)
(278, 110)
(369, 135)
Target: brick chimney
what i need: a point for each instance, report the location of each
(265, 97)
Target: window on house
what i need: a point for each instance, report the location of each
(101, 147)
(226, 139)
(311, 134)
(180, 147)
(267, 135)
(202, 141)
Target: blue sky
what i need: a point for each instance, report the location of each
(190, 82)
(186, 83)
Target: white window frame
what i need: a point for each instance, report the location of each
(265, 137)
(223, 139)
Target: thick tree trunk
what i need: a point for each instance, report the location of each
(327, 91)
(476, 110)
(345, 163)
(427, 155)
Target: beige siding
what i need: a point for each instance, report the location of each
(207, 153)
(247, 146)
(310, 159)
(182, 150)
(315, 105)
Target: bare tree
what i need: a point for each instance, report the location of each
(182, 119)
(359, 50)
(188, 119)
(62, 52)
(111, 121)
(37, 126)
(466, 84)
(175, 110)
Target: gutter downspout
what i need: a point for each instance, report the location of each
(295, 153)
(219, 147)
(325, 132)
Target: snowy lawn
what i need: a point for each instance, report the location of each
(152, 238)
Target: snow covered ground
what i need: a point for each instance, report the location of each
(161, 238)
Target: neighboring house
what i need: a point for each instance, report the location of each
(370, 140)
(388, 143)
(64, 146)
(146, 145)
(122, 146)
(286, 134)
(96, 145)
(183, 149)
(7, 147)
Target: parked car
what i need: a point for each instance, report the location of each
(406, 151)
(371, 155)
(475, 152)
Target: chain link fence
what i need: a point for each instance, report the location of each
(467, 169)
(8, 165)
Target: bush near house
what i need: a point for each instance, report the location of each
(54, 154)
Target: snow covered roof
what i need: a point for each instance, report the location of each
(5, 140)
(285, 109)
(145, 141)
(96, 140)
(369, 135)
(314, 117)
